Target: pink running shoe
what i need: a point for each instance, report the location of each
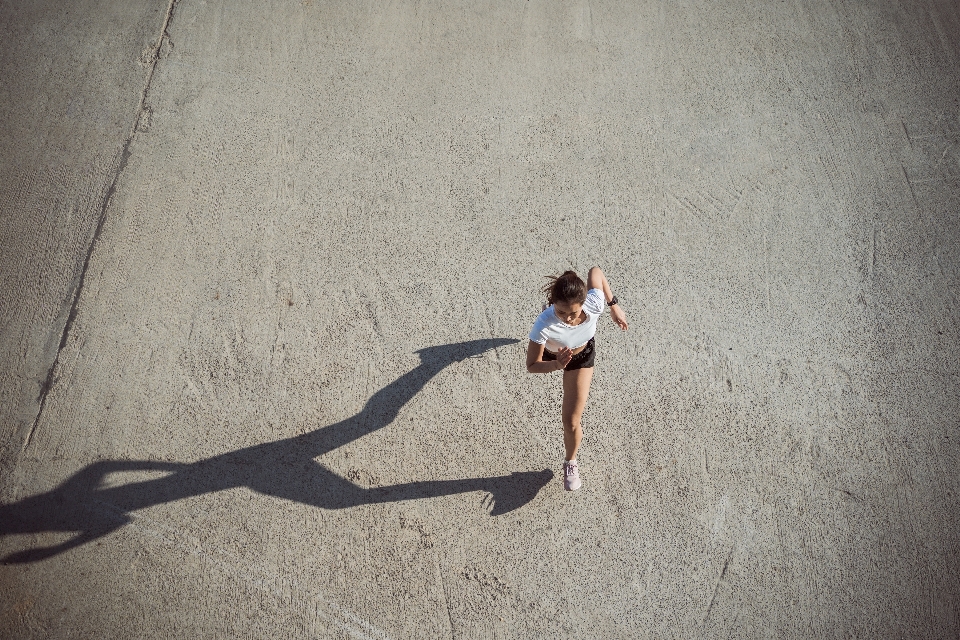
(571, 475)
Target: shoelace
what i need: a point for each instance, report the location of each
(569, 469)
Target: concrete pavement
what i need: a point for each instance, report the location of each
(268, 271)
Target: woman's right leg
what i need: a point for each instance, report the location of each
(576, 388)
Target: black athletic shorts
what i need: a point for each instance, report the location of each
(582, 360)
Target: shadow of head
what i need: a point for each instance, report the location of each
(73, 507)
(447, 353)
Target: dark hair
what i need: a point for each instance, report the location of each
(567, 287)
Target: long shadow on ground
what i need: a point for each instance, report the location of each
(285, 468)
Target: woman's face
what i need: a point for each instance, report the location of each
(568, 312)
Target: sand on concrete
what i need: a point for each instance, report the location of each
(268, 269)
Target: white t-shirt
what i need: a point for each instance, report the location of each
(553, 333)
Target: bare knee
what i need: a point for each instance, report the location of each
(571, 423)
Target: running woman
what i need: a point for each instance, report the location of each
(562, 338)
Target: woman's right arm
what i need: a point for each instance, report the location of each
(536, 364)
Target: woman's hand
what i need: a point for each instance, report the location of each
(618, 316)
(536, 363)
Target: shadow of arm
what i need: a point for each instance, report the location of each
(327, 490)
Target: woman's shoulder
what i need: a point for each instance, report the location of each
(595, 302)
(546, 317)
(542, 324)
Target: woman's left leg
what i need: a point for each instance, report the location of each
(576, 388)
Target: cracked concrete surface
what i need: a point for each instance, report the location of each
(268, 270)
(141, 118)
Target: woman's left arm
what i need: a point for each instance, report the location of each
(596, 280)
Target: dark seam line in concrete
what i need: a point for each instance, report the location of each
(124, 157)
(716, 587)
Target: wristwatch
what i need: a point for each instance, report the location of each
(613, 301)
